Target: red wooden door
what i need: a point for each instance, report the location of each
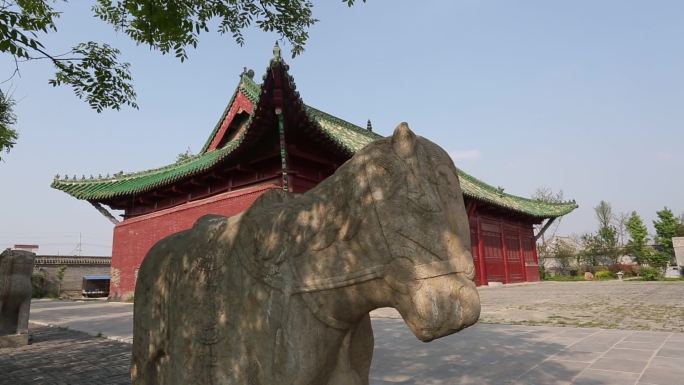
(493, 251)
(513, 258)
(474, 247)
(530, 257)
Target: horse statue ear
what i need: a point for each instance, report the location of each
(403, 140)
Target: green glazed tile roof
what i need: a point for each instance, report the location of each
(101, 189)
(479, 190)
(351, 137)
(346, 135)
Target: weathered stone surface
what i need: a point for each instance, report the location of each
(281, 293)
(16, 267)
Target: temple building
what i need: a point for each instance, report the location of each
(267, 138)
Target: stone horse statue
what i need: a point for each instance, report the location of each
(16, 267)
(281, 293)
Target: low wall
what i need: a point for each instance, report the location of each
(76, 268)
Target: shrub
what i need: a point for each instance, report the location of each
(563, 278)
(38, 283)
(627, 269)
(650, 274)
(604, 274)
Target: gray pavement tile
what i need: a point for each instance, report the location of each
(569, 355)
(676, 337)
(589, 346)
(606, 341)
(502, 372)
(615, 332)
(605, 377)
(647, 337)
(578, 332)
(667, 363)
(562, 341)
(629, 354)
(673, 344)
(643, 345)
(619, 364)
(662, 376)
(396, 379)
(666, 352)
(552, 373)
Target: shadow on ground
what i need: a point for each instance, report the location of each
(484, 354)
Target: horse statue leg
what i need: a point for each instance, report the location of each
(23, 316)
(354, 357)
(150, 350)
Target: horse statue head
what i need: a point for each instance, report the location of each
(396, 219)
(417, 198)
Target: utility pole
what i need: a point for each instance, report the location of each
(79, 248)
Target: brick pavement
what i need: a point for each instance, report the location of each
(599, 304)
(58, 356)
(486, 354)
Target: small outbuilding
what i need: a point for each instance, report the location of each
(268, 138)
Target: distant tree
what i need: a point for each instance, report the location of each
(183, 156)
(666, 227)
(564, 253)
(607, 233)
(61, 270)
(601, 248)
(620, 221)
(657, 259)
(8, 136)
(546, 194)
(604, 214)
(638, 234)
(592, 250)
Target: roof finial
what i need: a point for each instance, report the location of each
(276, 51)
(369, 126)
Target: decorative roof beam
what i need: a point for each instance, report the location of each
(472, 206)
(543, 229)
(104, 212)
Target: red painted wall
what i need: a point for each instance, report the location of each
(241, 103)
(134, 237)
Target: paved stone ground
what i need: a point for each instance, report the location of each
(488, 354)
(111, 319)
(59, 356)
(629, 305)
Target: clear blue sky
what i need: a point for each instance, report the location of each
(583, 96)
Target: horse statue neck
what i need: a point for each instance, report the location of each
(316, 244)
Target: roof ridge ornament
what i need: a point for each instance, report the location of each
(247, 72)
(276, 51)
(369, 126)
